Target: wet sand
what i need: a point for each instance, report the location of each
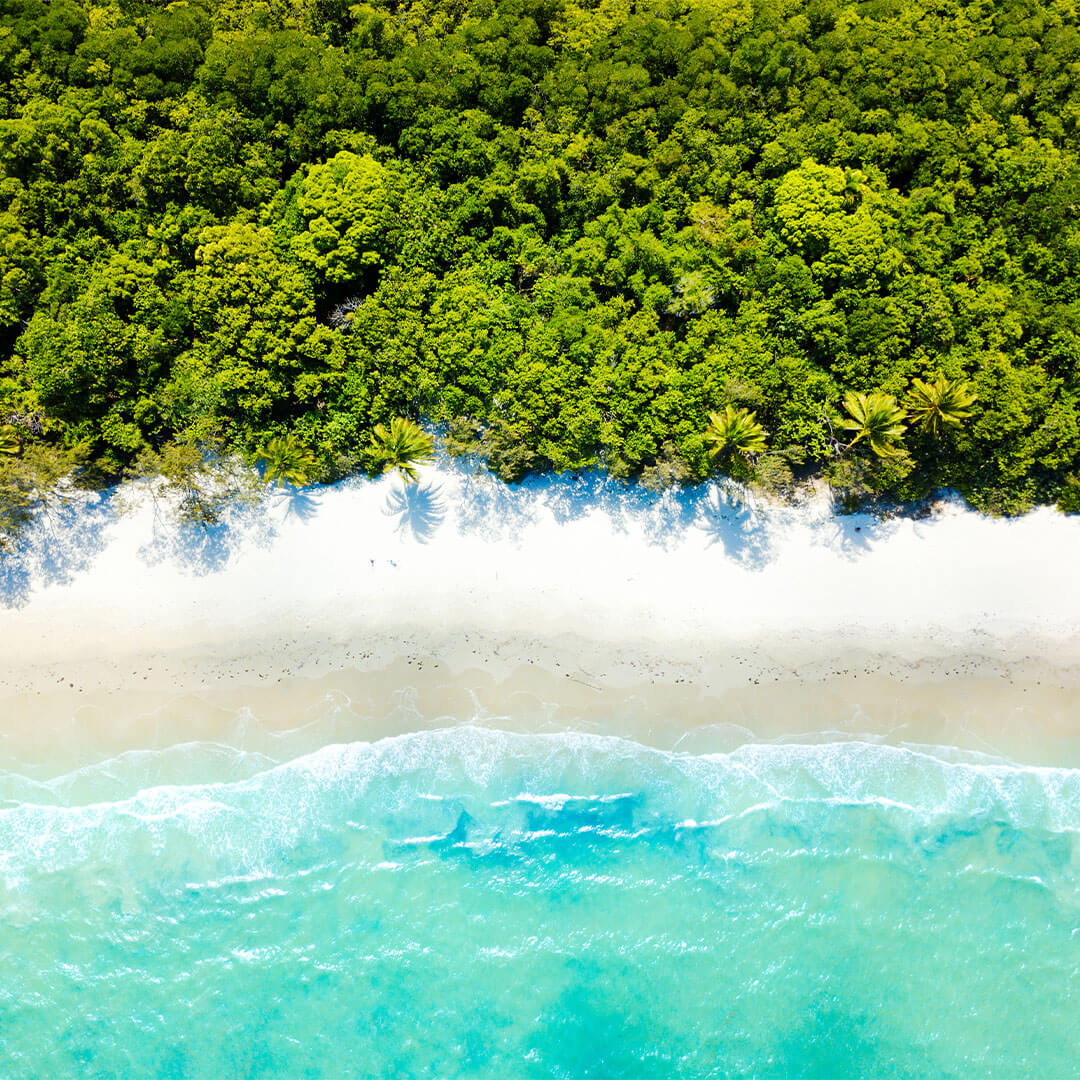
(1015, 699)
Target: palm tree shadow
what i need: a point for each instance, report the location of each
(300, 503)
(728, 519)
(854, 534)
(420, 509)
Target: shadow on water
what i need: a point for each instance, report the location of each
(62, 542)
(419, 508)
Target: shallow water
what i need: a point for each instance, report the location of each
(471, 903)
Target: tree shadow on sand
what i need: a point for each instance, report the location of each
(728, 518)
(855, 534)
(61, 542)
(662, 516)
(208, 549)
(299, 503)
(491, 507)
(748, 527)
(726, 512)
(419, 508)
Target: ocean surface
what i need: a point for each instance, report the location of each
(470, 903)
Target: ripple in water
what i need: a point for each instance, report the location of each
(473, 903)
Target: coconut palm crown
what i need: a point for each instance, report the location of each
(876, 418)
(286, 461)
(734, 430)
(936, 405)
(403, 445)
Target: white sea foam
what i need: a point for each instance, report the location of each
(499, 779)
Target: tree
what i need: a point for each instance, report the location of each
(286, 461)
(401, 445)
(939, 404)
(256, 350)
(734, 431)
(199, 482)
(348, 210)
(836, 222)
(876, 418)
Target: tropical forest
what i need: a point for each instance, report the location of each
(787, 242)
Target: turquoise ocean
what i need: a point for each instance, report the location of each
(467, 902)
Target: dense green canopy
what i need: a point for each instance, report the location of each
(568, 231)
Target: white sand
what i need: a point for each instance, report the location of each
(564, 602)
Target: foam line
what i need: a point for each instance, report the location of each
(488, 782)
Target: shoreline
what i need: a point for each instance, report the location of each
(698, 619)
(1014, 700)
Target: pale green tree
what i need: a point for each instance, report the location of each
(835, 220)
(348, 209)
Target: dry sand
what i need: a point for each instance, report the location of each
(698, 620)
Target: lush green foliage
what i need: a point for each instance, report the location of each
(734, 431)
(285, 461)
(569, 231)
(877, 419)
(402, 445)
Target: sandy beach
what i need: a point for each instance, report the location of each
(700, 619)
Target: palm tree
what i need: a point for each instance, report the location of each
(942, 403)
(402, 445)
(876, 418)
(286, 461)
(9, 440)
(734, 430)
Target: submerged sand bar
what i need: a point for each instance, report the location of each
(696, 619)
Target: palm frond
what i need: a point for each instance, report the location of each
(878, 419)
(286, 461)
(734, 430)
(934, 406)
(402, 445)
